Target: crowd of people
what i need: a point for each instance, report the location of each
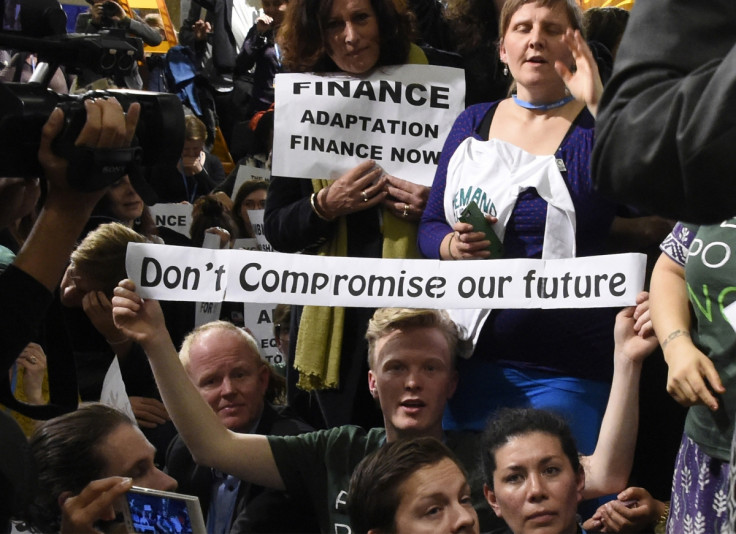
(583, 135)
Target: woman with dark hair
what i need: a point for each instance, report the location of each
(364, 213)
(251, 196)
(123, 204)
(209, 216)
(73, 450)
(534, 479)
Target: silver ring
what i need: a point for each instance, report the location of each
(364, 195)
(406, 210)
(33, 359)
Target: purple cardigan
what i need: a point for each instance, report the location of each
(569, 342)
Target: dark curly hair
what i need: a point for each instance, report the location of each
(509, 423)
(208, 213)
(303, 42)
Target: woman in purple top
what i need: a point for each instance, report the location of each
(525, 162)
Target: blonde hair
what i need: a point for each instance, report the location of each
(194, 129)
(101, 255)
(387, 320)
(574, 13)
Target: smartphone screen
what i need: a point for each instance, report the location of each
(158, 512)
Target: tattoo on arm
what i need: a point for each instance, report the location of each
(675, 334)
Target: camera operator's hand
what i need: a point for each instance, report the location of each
(46, 251)
(201, 29)
(107, 126)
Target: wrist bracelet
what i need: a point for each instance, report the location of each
(315, 209)
(449, 247)
(124, 340)
(660, 527)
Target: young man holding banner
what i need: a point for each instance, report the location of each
(412, 356)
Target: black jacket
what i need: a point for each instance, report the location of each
(257, 509)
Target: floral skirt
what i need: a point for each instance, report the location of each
(699, 502)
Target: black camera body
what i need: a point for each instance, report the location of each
(25, 107)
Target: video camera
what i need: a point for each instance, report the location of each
(25, 107)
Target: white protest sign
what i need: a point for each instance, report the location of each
(246, 243)
(178, 217)
(324, 125)
(113, 390)
(186, 270)
(246, 173)
(206, 312)
(258, 319)
(270, 277)
(256, 222)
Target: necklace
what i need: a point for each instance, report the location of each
(542, 107)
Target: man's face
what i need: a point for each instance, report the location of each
(436, 500)
(412, 378)
(229, 376)
(127, 453)
(75, 285)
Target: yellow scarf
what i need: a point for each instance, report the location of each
(319, 342)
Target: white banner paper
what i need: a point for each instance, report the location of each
(397, 116)
(259, 320)
(113, 390)
(181, 273)
(178, 217)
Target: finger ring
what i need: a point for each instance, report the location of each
(406, 210)
(33, 359)
(365, 197)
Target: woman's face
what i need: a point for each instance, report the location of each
(125, 204)
(533, 42)
(255, 201)
(535, 489)
(353, 37)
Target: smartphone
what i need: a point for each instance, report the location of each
(472, 215)
(145, 510)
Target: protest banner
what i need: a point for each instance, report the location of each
(245, 173)
(180, 273)
(324, 125)
(206, 312)
(256, 222)
(178, 217)
(259, 320)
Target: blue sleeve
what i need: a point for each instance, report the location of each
(433, 227)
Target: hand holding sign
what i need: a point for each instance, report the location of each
(360, 188)
(140, 320)
(405, 199)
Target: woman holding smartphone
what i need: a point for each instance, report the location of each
(524, 161)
